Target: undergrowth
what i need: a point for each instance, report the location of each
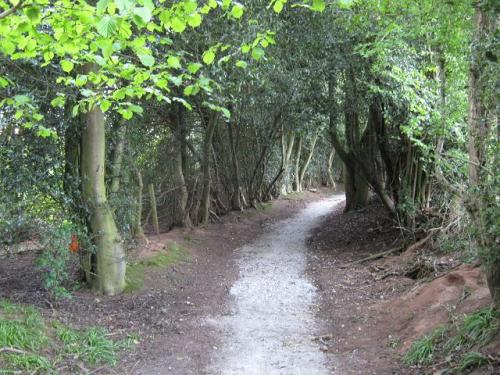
(458, 345)
(31, 344)
(136, 271)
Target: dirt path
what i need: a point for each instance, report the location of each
(271, 322)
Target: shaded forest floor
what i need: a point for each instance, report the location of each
(368, 313)
(177, 294)
(374, 310)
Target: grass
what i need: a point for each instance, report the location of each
(458, 343)
(472, 360)
(31, 344)
(265, 206)
(136, 271)
(422, 351)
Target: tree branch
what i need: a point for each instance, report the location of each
(9, 11)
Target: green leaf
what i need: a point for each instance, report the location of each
(257, 53)
(241, 64)
(237, 11)
(184, 102)
(136, 108)
(107, 26)
(67, 66)
(38, 117)
(3, 83)
(106, 46)
(190, 6)
(176, 80)
(126, 113)
(58, 102)
(75, 110)
(144, 13)
(162, 83)
(21, 100)
(146, 59)
(8, 47)
(191, 90)
(208, 57)
(81, 80)
(124, 5)
(102, 5)
(345, 4)
(174, 62)
(318, 5)
(245, 48)
(105, 105)
(194, 67)
(278, 6)
(149, 4)
(99, 60)
(33, 13)
(43, 132)
(226, 112)
(194, 20)
(178, 25)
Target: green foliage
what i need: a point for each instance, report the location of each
(31, 344)
(57, 262)
(422, 351)
(476, 329)
(21, 327)
(90, 346)
(458, 344)
(472, 360)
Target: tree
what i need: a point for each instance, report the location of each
(482, 201)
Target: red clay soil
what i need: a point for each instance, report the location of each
(370, 321)
(169, 312)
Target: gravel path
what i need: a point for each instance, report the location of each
(269, 330)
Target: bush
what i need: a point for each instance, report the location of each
(57, 262)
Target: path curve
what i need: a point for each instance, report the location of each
(269, 330)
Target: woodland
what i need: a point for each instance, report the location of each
(124, 119)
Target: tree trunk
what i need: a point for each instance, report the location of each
(207, 151)
(331, 180)
(72, 160)
(181, 216)
(356, 189)
(236, 202)
(482, 200)
(287, 151)
(152, 205)
(297, 185)
(137, 230)
(116, 165)
(253, 188)
(308, 160)
(359, 160)
(109, 260)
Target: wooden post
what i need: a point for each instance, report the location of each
(152, 203)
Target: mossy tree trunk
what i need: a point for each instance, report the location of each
(108, 262)
(482, 200)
